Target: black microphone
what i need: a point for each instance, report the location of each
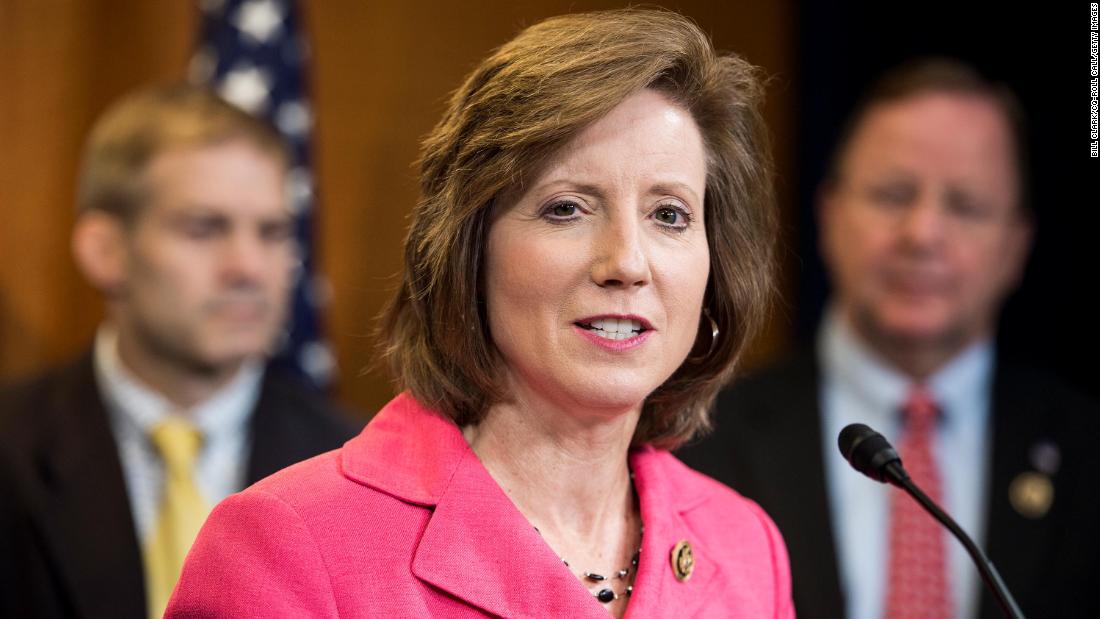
(871, 454)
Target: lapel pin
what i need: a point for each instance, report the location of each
(683, 560)
(1031, 494)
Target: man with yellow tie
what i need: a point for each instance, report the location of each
(109, 466)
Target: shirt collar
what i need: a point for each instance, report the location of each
(882, 388)
(135, 404)
(959, 385)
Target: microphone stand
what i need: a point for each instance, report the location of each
(897, 475)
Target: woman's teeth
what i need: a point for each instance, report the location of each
(615, 328)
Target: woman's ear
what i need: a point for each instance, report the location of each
(99, 247)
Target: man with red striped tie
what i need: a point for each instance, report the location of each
(925, 228)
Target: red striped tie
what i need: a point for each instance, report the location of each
(917, 587)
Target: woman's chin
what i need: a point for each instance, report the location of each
(612, 396)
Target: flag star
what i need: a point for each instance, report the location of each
(318, 361)
(298, 269)
(248, 88)
(300, 188)
(258, 20)
(293, 118)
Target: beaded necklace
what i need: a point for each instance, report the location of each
(606, 594)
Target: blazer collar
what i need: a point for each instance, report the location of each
(478, 547)
(407, 451)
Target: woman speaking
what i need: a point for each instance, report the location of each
(591, 250)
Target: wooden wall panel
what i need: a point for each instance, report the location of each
(61, 63)
(381, 73)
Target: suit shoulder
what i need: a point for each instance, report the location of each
(758, 402)
(24, 402)
(293, 398)
(798, 371)
(1041, 393)
(17, 394)
(293, 390)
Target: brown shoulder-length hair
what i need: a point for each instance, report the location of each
(517, 108)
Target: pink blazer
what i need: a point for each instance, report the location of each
(404, 521)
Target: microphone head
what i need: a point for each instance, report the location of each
(868, 452)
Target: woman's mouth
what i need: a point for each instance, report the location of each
(614, 328)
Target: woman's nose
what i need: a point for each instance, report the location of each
(621, 260)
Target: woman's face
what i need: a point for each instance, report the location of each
(596, 270)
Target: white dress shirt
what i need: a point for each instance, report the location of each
(859, 387)
(134, 409)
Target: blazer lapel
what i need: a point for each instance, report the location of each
(479, 548)
(1014, 541)
(657, 591)
(83, 509)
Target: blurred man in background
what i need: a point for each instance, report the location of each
(109, 466)
(925, 230)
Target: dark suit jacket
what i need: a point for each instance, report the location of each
(67, 542)
(767, 445)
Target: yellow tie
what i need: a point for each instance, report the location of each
(181, 514)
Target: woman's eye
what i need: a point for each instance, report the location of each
(564, 210)
(671, 216)
(561, 210)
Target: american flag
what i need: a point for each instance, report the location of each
(253, 54)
